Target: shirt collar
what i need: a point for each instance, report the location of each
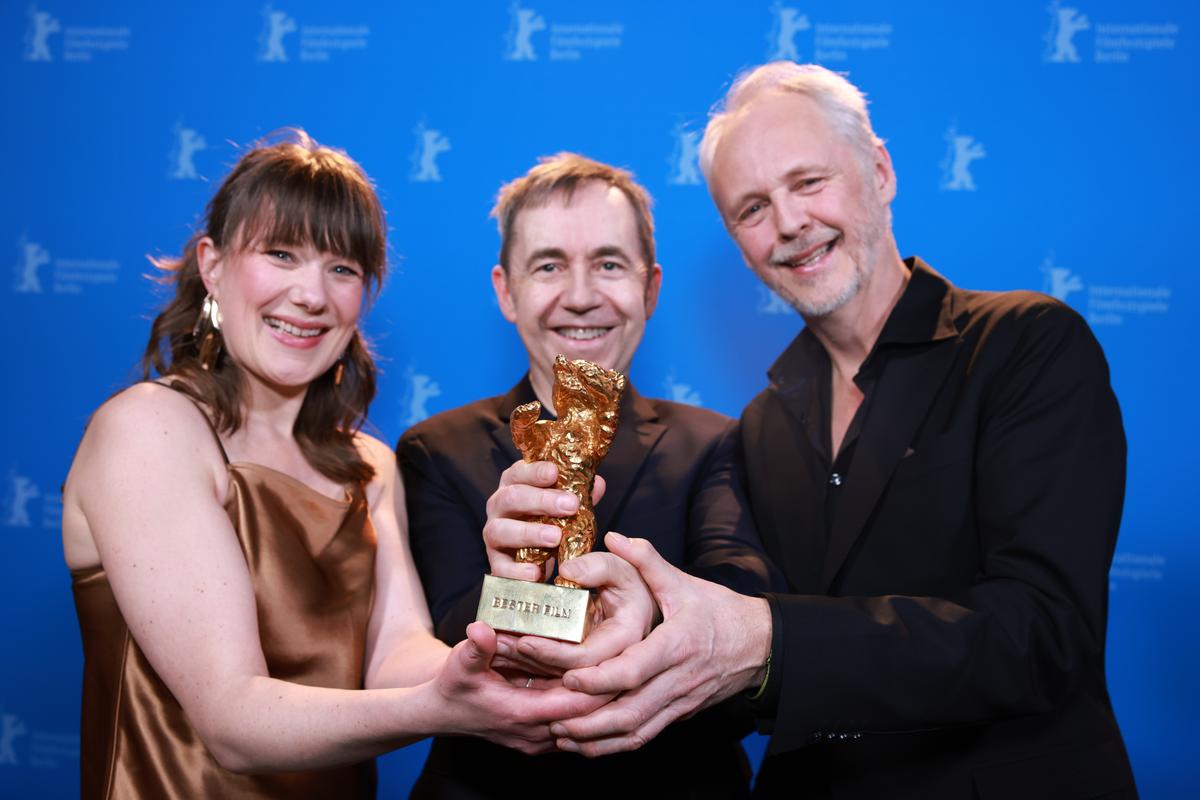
(923, 314)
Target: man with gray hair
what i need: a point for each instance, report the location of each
(938, 472)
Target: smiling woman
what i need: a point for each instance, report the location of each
(278, 198)
(239, 549)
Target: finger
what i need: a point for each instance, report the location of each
(598, 569)
(628, 671)
(517, 570)
(521, 501)
(516, 662)
(599, 487)
(658, 574)
(511, 534)
(619, 744)
(603, 643)
(533, 682)
(554, 703)
(534, 473)
(478, 649)
(633, 719)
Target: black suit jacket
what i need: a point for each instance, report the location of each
(670, 478)
(948, 638)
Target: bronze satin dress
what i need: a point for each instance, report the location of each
(312, 562)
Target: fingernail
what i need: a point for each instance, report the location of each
(558, 731)
(502, 648)
(618, 537)
(568, 503)
(549, 473)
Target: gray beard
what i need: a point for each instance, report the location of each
(874, 228)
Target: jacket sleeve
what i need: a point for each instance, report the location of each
(446, 535)
(723, 545)
(1028, 630)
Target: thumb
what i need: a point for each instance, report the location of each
(479, 647)
(599, 486)
(658, 574)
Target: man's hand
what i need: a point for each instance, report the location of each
(520, 497)
(524, 493)
(628, 610)
(712, 644)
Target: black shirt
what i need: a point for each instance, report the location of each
(804, 374)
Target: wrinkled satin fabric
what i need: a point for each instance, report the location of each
(312, 561)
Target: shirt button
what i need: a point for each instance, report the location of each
(835, 479)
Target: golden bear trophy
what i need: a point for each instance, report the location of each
(587, 399)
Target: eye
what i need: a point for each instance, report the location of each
(808, 184)
(751, 210)
(611, 266)
(348, 271)
(279, 255)
(547, 267)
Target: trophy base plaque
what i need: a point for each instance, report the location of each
(540, 609)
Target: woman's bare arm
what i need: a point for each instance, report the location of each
(145, 481)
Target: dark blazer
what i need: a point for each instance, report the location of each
(670, 477)
(948, 639)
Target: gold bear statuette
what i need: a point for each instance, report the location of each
(587, 398)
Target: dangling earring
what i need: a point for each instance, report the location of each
(207, 330)
(339, 370)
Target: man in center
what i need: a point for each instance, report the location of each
(577, 276)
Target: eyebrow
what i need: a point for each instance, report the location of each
(557, 253)
(553, 253)
(609, 250)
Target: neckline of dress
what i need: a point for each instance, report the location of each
(350, 493)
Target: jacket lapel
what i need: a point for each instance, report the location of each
(793, 514)
(638, 431)
(518, 395)
(908, 383)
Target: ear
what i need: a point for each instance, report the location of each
(503, 296)
(208, 258)
(884, 174)
(653, 284)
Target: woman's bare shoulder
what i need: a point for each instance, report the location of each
(143, 426)
(382, 458)
(147, 409)
(146, 436)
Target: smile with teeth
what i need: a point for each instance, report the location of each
(293, 330)
(814, 256)
(582, 334)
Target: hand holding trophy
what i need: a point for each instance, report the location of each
(587, 399)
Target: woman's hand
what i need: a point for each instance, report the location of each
(473, 699)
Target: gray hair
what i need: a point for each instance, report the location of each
(843, 104)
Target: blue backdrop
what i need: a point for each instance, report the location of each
(1037, 146)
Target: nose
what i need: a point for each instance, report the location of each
(308, 289)
(580, 295)
(790, 214)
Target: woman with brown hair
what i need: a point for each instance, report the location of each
(238, 547)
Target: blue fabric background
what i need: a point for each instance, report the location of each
(1037, 146)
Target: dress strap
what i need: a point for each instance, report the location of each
(207, 421)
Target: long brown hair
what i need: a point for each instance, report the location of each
(287, 190)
